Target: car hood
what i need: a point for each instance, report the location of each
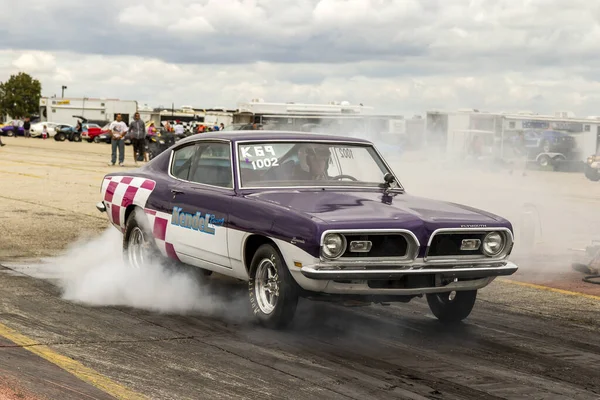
(374, 210)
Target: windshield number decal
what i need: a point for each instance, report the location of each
(258, 151)
(346, 153)
(265, 163)
(264, 152)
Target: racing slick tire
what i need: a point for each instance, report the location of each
(272, 289)
(139, 248)
(452, 310)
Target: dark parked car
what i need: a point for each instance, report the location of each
(549, 142)
(304, 215)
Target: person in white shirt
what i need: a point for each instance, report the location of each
(118, 129)
(179, 128)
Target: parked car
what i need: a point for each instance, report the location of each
(592, 167)
(90, 132)
(68, 132)
(548, 141)
(13, 128)
(304, 215)
(36, 129)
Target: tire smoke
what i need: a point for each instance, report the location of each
(93, 272)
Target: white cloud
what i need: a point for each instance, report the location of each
(402, 56)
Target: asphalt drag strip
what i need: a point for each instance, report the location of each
(24, 376)
(331, 352)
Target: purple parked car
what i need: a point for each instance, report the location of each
(304, 215)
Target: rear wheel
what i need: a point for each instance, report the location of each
(139, 248)
(272, 289)
(452, 307)
(60, 137)
(544, 160)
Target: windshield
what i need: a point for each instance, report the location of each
(288, 164)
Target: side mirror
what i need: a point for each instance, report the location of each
(388, 178)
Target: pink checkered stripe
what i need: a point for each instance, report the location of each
(120, 192)
(160, 223)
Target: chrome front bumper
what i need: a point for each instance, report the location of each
(470, 272)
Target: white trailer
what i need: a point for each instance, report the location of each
(66, 110)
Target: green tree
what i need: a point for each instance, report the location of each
(20, 95)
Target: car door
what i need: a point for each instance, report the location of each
(201, 202)
(532, 139)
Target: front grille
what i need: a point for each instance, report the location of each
(383, 245)
(448, 244)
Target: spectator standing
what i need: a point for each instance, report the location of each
(521, 153)
(137, 134)
(179, 130)
(44, 132)
(27, 127)
(118, 129)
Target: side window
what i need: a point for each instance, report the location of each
(182, 161)
(213, 165)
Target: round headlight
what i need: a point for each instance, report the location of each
(334, 245)
(493, 244)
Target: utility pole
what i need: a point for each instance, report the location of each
(63, 91)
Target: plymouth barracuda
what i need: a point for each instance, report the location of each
(304, 215)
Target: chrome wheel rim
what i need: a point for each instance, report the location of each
(266, 286)
(138, 248)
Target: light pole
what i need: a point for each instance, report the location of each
(63, 91)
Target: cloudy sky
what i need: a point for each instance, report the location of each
(400, 56)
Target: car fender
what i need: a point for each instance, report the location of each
(120, 193)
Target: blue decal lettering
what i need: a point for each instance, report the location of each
(175, 217)
(198, 222)
(217, 222)
(209, 228)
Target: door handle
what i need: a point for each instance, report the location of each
(176, 192)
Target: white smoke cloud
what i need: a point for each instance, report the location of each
(92, 272)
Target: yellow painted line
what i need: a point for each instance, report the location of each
(550, 289)
(73, 367)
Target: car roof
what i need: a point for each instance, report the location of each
(243, 135)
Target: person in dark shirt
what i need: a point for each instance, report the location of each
(27, 128)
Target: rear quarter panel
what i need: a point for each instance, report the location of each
(120, 192)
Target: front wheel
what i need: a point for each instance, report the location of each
(452, 307)
(592, 174)
(272, 289)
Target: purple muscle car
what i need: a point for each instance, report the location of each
(304, 215)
